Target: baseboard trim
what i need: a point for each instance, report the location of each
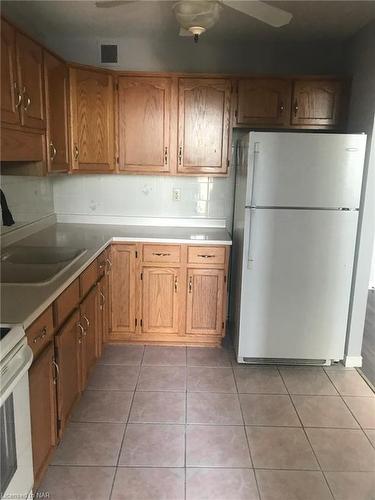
(353, 361)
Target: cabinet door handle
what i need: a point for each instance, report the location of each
(161, 254)
(19, 96)
(102, 296)
(56, 366)
(190, 284)
(281, 107)
(53, 150)
(295, 107)
(205, 256)
(180, 155)
(175, 284)
(166, 156)
(87, 320)
(25, 97)
(82, 332)
(109, 266)
(76, 152)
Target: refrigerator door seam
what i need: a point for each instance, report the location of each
(273, 207)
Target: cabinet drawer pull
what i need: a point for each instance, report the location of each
(76, 152)
(166, 156)
(41, 336)
(180, 155)
(87, 320)
(175, 284)
(19, 96)
(206, 256)
(53, 150)
(190, 284)
(161, 254)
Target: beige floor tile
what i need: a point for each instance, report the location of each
(352, 485)
(268, 409)
(205, 379)
(350, 383)
(77, 483)
(158, 407)
(120, 354)
(208, 356)
(371, 436)
(89, 444)
(114, 377)
(280, 448)
(216, 446)
(259, 380)
(292, 485)
(159, 356)
(153, 445)
(103, 406)
(324, 411)
(211, 408)
(363, 410)
(307, 380)
(341, 450)
(162, 378)
(149, 484)
(221, 484)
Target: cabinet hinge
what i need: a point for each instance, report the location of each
(222, 324)
(236, 113)
(117, 159)
(227, 163)
(141, 322)
(225, 279)
(141, 279)
(136, 322)
(136, 254)
(116, 86)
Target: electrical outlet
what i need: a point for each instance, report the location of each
(176, 194)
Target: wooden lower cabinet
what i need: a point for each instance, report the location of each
(67, 345)
(42, 382)
(103, 313)
(88, 321)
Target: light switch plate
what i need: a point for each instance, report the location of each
(176, 194)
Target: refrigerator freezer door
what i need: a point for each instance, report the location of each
(295, 295)
(305, 170)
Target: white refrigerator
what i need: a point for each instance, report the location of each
(297, 201)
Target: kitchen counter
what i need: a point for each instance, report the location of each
(24, 303)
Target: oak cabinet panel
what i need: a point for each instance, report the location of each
(29, 56)
(68, 344)
(263, 102)
(43, 410)
(56, 90)
(144, 121)
(204, 310)
(203, 125)
(317, 102)
(88, 320)
(160, 300)
(10, 94)
(123, 288)
(92, 114)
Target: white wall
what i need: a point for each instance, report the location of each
(361, 63)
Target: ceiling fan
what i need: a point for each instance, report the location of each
(197, 16)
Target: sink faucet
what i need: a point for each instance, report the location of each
(6, 213)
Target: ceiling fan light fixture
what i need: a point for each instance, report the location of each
(197, 16)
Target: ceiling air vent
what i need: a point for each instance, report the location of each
(108, 53)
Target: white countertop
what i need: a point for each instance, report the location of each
(24, 303)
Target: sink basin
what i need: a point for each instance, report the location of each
(36, 265)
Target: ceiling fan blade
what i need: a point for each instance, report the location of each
(184, 32)
(263, 12)
(106, 4)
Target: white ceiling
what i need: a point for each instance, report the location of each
(313, 20)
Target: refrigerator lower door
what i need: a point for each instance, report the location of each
(296, 280)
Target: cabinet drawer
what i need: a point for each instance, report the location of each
(40, 333)
(161, 253)
(88, 278)
(206, 255)
(66, 302)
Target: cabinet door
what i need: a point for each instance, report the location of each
(204, 313)
(30, 70)
(92, 120)
(144, 116)
(160, 300)
(263, 102)
(123, 288)
(10, 95)
(43, 410)
(317, 102)
(102, 315)
(68, 344)
(89, 345)
(56, 87)
(203, 125)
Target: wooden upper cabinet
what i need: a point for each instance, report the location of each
(123, 288)
(92, 115)
(263, 102)
(144, 121)
(10, 94)
(317, 102)
(204, 310)
(56, 88)
(203, 125)
(160, 300)
(29, 57)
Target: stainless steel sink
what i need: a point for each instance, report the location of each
(36, 265)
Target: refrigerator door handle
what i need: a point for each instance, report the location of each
(254, 163)
(250, 256)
